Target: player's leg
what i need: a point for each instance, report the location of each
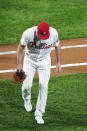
(44, 76)
(27, 84)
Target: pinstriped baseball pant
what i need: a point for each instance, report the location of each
(43, 70)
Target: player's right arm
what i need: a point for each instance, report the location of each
(20, 50)
(20, 53)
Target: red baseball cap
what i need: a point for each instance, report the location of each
(43, 30)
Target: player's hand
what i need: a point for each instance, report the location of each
(58, 67)
(19, 68)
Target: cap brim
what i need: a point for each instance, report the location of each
(44, 37)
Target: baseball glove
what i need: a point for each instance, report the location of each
(19, 76)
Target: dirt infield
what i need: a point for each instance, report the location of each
(68, 56)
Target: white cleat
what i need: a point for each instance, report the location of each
(39, 120)
(27, 105)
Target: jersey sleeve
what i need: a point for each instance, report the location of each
(24, 39)
(56, 39)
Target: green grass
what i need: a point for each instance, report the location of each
(67, 16)
(66, 108)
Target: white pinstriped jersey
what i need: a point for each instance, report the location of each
(41, 48)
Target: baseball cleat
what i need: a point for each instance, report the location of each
(39, 119)
(27, 105)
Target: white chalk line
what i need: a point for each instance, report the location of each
(7, 71)
(52, 67)
(8, 52)
(71, 65)
(73, 46)
(62, 47)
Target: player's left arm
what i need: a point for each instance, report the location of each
(57, 52)
(57, 49)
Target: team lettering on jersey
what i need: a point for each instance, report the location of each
(40, 45)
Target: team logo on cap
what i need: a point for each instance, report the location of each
(44, 33)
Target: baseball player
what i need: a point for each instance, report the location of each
(37, 42)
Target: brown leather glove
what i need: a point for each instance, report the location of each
(19, 76)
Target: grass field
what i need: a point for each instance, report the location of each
(69, 17)
(66, 108)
